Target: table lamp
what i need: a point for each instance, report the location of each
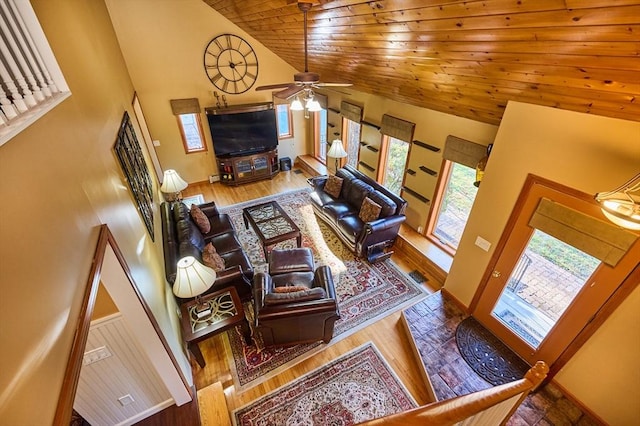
(192, 279)
(337, 151)
(173, 185)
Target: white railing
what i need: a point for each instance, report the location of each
(31, 82)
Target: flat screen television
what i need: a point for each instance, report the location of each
(243, 129)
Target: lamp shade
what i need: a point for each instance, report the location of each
(337, 150)
(172, 182)
(314, 106)
(192, 278)
(296, 105)
(622, 205)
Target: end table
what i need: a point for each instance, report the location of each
(226, 312)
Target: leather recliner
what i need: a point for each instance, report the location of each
(305, 315)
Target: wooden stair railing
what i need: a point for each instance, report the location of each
(491, 406)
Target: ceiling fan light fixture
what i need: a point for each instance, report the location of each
(622, 205)
(314, 106)
(296, 105)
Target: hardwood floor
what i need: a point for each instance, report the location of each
(387, 333)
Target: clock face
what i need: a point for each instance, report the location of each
(231, 64)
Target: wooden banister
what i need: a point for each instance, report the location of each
(489, 406)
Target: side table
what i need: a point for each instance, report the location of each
(226, 312)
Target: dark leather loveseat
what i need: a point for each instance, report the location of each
(366, 239)
(182, 237)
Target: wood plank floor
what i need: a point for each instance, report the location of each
(387, 334)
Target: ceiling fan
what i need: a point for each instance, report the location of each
(302, 81)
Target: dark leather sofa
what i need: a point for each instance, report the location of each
(182, 237)
(370, 239)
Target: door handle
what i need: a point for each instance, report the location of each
(496, 274)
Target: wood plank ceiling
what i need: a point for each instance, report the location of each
(466, 58)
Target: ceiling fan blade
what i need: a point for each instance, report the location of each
(293, 89)
(274, 86)
(333, 84)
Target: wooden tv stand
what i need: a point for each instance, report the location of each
(248, 168)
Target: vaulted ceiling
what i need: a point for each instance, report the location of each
(466, 58)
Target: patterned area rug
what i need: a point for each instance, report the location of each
(487, 355)
(356, 387)
(365, 292)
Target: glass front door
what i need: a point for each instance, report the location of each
(540, 292)
(546, 279)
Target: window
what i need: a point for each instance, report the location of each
(393, 162)
(351, 131)
(320, 135)
(32, 78)
(285, 121)
(191, 132)
(452, 205)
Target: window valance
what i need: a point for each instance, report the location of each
(600, 239)
(351, 111)
(463, 151)
(397, 128)
(322, 100)
(185, 106)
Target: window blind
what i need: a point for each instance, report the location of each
(322, 100)
(351, 111)
(463, 151)
(397, 128)
(600, 239)
(185, 106)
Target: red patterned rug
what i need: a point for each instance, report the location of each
(365, 292)
(356, 387)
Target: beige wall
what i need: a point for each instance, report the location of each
(588, 153)
(104, 305)
(60, 182)
(163, 43)
(432, 127)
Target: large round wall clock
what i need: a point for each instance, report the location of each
(231, 64)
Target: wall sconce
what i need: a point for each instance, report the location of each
(482, 164)
(337, 151)
(172, 184)
(622, 205)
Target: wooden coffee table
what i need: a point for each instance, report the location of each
(271, 224)
(226, 313)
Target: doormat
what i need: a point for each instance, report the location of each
(354, 388)
(418, 277)
(487, 355)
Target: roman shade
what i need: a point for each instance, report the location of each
(397, 128)
(463, 151)
(600, 239)
(185, 106)
(322, 100)
(351, 111)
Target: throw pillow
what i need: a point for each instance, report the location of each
(333, 186)
(369, 210)
(290, 288)
(200, 219)
(212, 259)
(305, 295)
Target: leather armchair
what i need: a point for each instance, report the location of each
(303, 316)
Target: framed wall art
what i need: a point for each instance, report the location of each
(135, 170)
